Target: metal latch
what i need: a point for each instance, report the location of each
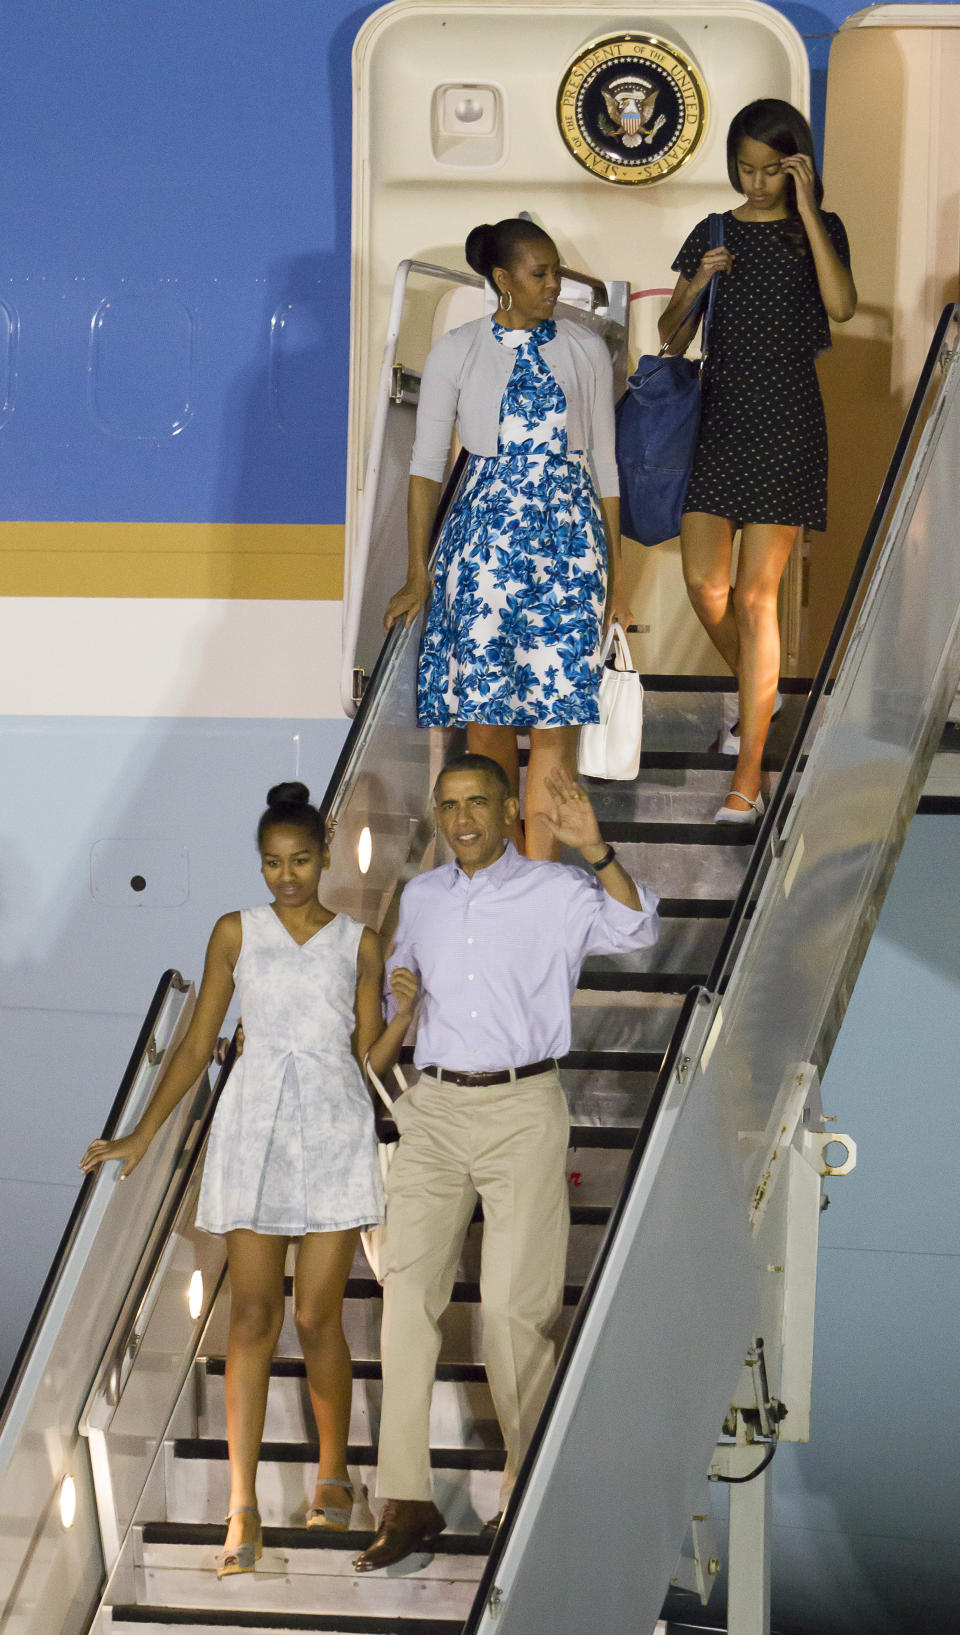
(358, 685)
(404, 385)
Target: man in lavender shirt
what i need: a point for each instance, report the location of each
(497, 942)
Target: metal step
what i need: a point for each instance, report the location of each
(674, 787)
(289, 1580)
(160, 1620)
(684, 714)
(623, 1021)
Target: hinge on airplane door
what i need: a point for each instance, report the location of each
(358, 685)
(404, 385)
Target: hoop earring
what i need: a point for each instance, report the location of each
(505, 304)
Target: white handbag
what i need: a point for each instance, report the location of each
(610, 747)
(375, 1237)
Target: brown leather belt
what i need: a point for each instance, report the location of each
(502, 1076)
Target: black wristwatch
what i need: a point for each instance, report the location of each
(604, 862)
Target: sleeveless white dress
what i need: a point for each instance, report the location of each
(292, 1148)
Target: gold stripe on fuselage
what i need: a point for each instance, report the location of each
(243, 561)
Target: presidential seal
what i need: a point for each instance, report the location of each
(631, 108)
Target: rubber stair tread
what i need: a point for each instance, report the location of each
(305, 1538)
(363, 1369)
(702, 760)
(234, 1618)
(614, 1061)
(696, 908)
(717, 684)
(358, 1453)
(648, 831)
(618, 981)
(613, 1137)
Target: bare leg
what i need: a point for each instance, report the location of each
(764, 551)
(323, 1266)
(500, 743)
(256, 1264)
(550, 748)
(706, 548)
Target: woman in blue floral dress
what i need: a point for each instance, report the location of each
(521, 587)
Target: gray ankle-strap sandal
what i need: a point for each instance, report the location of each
(332, 1515)
(240, 1558)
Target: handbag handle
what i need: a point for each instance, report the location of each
(616, 637)
(378, 1086)
(707, 297)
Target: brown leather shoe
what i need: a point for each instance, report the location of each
(405, 1526)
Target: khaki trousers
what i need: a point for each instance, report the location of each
(507, 1144)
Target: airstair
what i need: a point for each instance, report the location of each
(697, 1152)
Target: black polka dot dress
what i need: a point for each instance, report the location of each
(762, 451)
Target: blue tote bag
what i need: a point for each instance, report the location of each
(657, 421)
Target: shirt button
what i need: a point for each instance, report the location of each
(473, 1014)
(469, 976)
(469, 941)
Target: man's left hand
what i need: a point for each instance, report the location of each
(571, 819)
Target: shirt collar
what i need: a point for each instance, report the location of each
(493, 875)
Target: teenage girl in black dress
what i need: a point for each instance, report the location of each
(761, 462)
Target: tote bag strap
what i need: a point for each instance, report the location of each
(716, 240)
(378, 1086)
(707, 297)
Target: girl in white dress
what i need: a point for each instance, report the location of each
(292, 1151)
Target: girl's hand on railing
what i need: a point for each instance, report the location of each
(130, 1148)
(407, 603)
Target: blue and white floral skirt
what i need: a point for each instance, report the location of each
(513, 631)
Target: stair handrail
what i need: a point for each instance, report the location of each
(144, 1052)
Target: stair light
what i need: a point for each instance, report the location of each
(68, 1501)
(364, 850)
(195, 1296)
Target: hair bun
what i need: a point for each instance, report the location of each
(480, 249)
(288, 794)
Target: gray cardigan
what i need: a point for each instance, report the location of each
(464, 379)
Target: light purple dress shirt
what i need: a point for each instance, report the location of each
(499, 956)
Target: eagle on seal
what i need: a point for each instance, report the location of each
(629, 103)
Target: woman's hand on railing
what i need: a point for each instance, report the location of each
(407, 602)
(130, 1148)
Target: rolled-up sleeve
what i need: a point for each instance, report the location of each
(597, 924)
(436, 413)
(403, 953)
(602, 442)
